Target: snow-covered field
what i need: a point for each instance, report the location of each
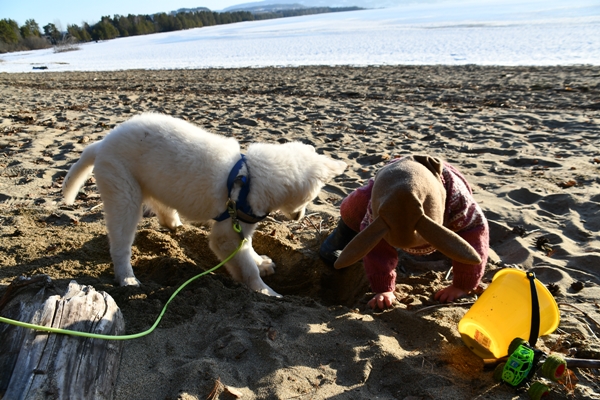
(484, 32)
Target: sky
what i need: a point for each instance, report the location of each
(75, 12)
(455, 32)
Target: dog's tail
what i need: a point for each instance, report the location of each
(79, 173)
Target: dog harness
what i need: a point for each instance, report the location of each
(239, 209)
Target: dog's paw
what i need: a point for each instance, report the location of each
(266, 266)
(131, 281)
(269, 292)
(259, 286)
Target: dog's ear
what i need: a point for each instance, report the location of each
(337, 166)
(302, 145)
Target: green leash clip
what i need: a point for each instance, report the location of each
(232, 210)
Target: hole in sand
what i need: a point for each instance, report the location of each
(170, 258)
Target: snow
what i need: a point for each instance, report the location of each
(453, 32)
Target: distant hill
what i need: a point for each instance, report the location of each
(277, 5)
(189, 10)
(251, 7)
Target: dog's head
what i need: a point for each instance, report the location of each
(287, 177)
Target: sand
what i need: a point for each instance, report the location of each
(527, 138)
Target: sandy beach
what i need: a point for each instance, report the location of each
(526, 138)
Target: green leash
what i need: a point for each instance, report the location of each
(121, 337)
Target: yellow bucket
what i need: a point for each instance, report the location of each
(504, 312)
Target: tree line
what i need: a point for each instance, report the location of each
(29, 36)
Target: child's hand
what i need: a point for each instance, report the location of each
(449, 294)
(382, 300)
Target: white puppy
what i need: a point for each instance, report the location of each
(175, 168)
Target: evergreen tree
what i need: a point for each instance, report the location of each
(30, 29)
(81, 34)
(9, 31)
(52, 32)
(88, 31)
(167, 23)
(142, 24)
(104, 30)
(208, 18)
(188, 20)
(123, 25)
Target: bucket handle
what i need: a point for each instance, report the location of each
(535, 311)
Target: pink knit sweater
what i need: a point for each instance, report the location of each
(462, 215)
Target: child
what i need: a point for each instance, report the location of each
(419, 204)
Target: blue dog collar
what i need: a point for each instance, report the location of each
(242, 208)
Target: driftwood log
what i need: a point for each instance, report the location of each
(40, 365)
